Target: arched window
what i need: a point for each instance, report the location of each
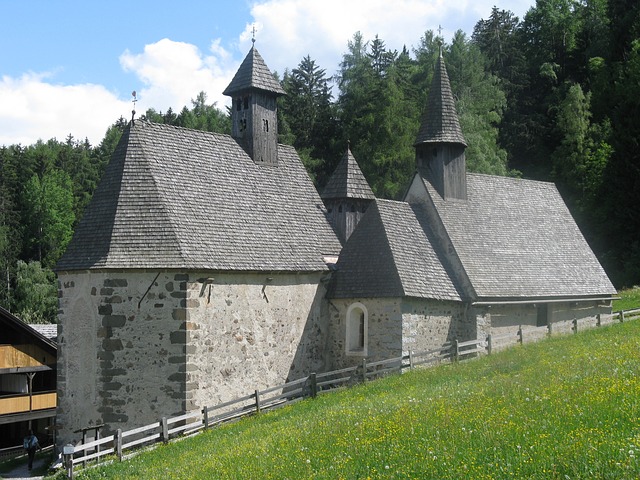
(357, 329)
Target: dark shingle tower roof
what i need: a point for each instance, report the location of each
(440, 121)
(178, 198)
(253, 74)
(348, 181)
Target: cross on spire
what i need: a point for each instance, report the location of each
(253, 34)
(135, 99)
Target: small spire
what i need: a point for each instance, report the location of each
(439, 41)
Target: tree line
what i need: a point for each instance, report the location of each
(554, 96)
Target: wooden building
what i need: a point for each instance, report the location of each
(27, 381)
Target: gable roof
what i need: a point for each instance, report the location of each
(178, 198)
(392, 253)
(440, 121)
(253, 74)
(516, 238)
(15, 331)
(348, 181)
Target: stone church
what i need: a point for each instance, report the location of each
(208, 265)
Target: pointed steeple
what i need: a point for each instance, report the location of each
(440, 145)
(253, 74)
(346, 196)
(440, 120)
(254, 120)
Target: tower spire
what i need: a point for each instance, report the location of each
(254, 121)
(440, 145)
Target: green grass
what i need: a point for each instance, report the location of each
(629, 299)
(564, 408)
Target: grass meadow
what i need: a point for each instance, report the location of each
(565, 408)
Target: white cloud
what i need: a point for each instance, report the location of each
(33, 108)
(173, 73)
(288, 30)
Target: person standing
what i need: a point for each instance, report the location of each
(30, 444)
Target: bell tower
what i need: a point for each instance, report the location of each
(254, 121)
(440, 145)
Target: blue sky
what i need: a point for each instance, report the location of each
(68, 67)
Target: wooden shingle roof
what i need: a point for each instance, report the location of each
(517, 239)
(348, 181)
(253, 74)
(392, 253)
(179, 198)
(440, 121)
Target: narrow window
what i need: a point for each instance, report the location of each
(246, 102)
(357, 330)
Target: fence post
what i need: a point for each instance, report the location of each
(257, 395)
(621, 316)
(456, 350)
(205, 417)
(117, 439)
(410, 359)
(598, 320)
(67, 455)
(313, 385)
(364, 370)
(98, 446)
(489, 344)
(165, 430)
(520, 335)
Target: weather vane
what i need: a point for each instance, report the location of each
(133, 112)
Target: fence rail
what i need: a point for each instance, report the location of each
(291, 392)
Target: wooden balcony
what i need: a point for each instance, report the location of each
(24, 356)
(10, 404)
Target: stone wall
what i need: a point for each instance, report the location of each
(506, 320)
(384, 339)
(396, 326)
(428, 324)
(120, 349)
(139, 345)
(252, 331)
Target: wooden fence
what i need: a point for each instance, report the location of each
(271, 398)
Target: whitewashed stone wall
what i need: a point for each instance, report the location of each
(138, 345)
(384, 331)
(428, 324)
(396, 326)
(503, 320)
(252, 331)
(120, 354)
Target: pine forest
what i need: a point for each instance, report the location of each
(554, 96)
